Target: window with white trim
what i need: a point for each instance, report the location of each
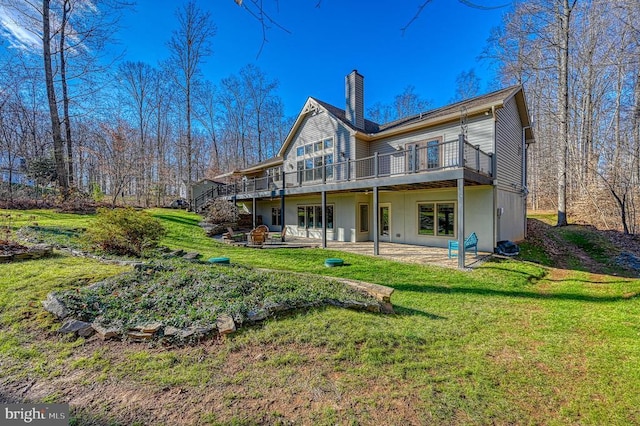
(313, 158)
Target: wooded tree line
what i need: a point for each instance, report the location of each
(119, 128)
(149, 130)
(580, 64)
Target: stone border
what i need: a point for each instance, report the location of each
(34, 252)
(225, 324)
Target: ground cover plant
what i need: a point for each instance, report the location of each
(510, 342)
(183, 294)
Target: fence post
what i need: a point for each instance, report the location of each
(348, 169)
(477, 158)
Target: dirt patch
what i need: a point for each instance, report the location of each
(252, 385)
(564, 254)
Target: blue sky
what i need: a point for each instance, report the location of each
(325, 43)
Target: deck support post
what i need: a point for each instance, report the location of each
(324, 219)
(254, 211)
(282, 221)
(461, 250)
(376, 238)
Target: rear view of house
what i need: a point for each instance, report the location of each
(424, 179)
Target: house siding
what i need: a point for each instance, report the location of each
(510, 225)
(314, 128)
(479, 132)
(404, 215)
(509, 147)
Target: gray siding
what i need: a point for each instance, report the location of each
(314, 128)
(479, 132)
(509, 147)
(511, 224)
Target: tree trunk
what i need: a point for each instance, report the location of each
(563, 107)
(66, 8)
(58, 144)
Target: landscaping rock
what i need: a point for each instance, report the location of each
(41, 250)
(202, 331)
(139, 336)
(225, 324)
(192, 255)
(255, 316)
(81, 328)
(150, 328)
(176, 253)
(106, 333)
(55, 306)
(360, 306)
(170, 331)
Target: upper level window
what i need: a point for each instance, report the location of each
(314, 159)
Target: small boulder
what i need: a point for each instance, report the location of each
(139, 336)
(81, 328)
(170, 331)
(105, 333)
(192, 255)
(259, 315)
(55, 306)
(150, 328)
(225, 324)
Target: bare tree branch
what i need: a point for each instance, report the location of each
(415, 17)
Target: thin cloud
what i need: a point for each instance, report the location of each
(14, 30)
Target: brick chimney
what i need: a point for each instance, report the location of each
(354, 93)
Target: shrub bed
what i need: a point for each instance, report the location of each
(187, 295)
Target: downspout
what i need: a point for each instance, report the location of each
(524, 177)
(496, 219)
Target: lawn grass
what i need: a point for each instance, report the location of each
(508, 343)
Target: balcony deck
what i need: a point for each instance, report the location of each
(435, 166)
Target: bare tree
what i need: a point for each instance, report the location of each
(404, 105)
(564, 34)
(467, 85)
(259, 90)
(189, 45)
(56, 132)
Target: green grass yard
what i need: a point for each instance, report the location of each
(508, 343)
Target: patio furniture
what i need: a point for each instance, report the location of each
(233, 236)
(258, 236)
(471, 242)
(277, 237)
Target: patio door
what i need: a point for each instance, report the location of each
(384, 222)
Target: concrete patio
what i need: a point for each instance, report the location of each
(400, 252)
